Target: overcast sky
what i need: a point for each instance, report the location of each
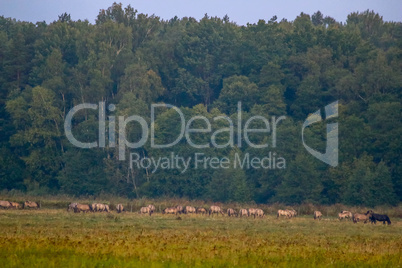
(240, 12)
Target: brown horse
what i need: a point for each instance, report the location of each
(170, 211)
(252, 212)
(201, 211)
(285, 213)
(259, 213)
(360, 217)
(180, 209)
(107, 209)
(349, 214)
(292, 212)
(81, 207)
(119, 208)
(100, 207)
(152, 208)
(15, 205)
(93, 207)
(342, 216)
(215, 209)
(30, 204)
(5, 204)
(231, 212)
(189, 209)
(345, 215)
(146, 210)
(317, 215)
(243, 212)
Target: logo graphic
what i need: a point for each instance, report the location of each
(331, 151)
(112, 133)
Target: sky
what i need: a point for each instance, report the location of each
(241, 12)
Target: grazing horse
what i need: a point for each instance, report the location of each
(243, 212)
(180, 209)
(259, 213)
(72, 206)
(30, 204)
(5, 204)
(342, 216)
(360, 217)
(201, 211)
(100, 207)
(146, 210)
(15, 205)
(170, 211)
(285, 213)
(317, 215)
(80, 207)
(378, 217)
(215, 209)
(107, 209)
(189, 209)
(119, 208)
(93, 207)
(152, 208)
(231, 212)
(349, 214)
(292, 212)
(252, 212)
(345, 215)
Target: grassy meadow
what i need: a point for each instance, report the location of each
(53, 237)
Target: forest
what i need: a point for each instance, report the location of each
(204, 67)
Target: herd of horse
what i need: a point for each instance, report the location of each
(95, 207)
(15, 205)
(358, 217)
(251, 212)
(177, 210)
(256, 212)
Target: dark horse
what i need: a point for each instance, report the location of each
(378, 217)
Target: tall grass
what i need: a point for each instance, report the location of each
(56, 238)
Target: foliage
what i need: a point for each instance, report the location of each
(205, 67)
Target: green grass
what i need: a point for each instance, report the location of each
(56, 238)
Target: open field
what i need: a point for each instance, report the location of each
(56, 238)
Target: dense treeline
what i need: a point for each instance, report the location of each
(205, 67)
